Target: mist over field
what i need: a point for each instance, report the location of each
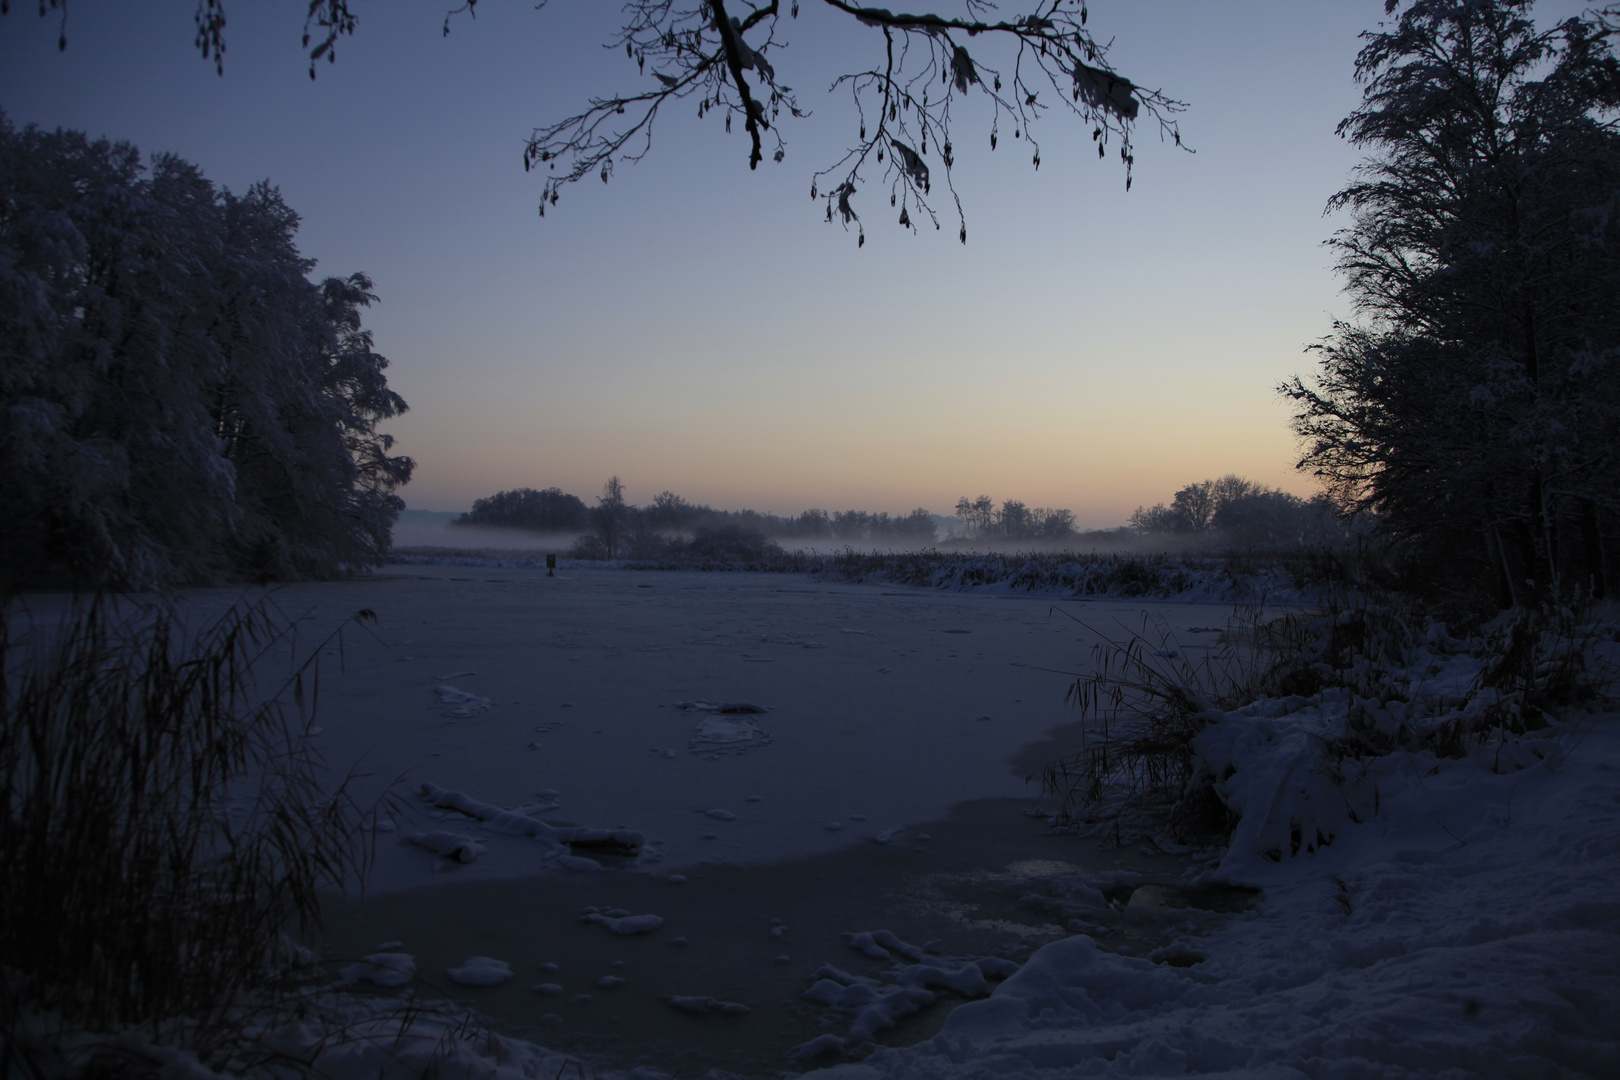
(1229, 513)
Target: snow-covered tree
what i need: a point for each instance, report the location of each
(178, 401)
(1476, 404)
(551, 510)
(907, 76)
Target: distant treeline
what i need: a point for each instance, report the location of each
(554, 510)
(1233, 511)
(1230, 512)
(982, 520)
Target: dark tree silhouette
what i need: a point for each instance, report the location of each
(1476, 406)
(178, 401)
(913, 69)
(551, 510)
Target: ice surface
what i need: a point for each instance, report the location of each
(1434, 917)
(835, 729)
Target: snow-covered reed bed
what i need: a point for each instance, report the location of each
(1274, 742)
(1223, 578)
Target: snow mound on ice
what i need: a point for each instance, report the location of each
(480, 971)
(465, 705)
(730, 731)
(626, 924)
(382, 969)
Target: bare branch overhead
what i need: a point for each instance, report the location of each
(917, 67)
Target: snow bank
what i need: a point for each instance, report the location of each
(1422, 915)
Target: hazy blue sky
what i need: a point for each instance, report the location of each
(698, 327)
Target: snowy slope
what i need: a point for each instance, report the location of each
(1476, 932)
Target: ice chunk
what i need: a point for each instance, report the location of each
(382, 969)
(480, 971)
(967, 980)
(878, 943)
(729, 731)
(888, 1012)
(819, 1046)
(465, 705)
(735, 707)
(463, 849)
(704, 1005)
(618, 841)
(627, 924)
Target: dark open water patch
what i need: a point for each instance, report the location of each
(987, 882)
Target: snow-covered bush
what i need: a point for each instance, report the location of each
(1279, 741)
(180, 402)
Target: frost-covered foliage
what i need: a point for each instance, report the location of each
(181, 403)
(1282, 740)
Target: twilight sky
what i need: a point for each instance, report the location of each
(698, 327)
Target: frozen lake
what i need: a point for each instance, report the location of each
(903, 714)
(885, 707)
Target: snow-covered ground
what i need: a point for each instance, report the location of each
(796, 860)
(1471, 927)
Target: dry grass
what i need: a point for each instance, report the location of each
(1142, 704)
(164, 823)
